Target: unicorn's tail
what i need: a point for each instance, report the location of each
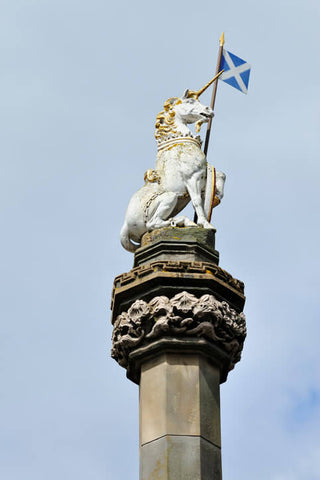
(125, 239)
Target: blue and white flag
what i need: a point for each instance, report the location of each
(236, 71)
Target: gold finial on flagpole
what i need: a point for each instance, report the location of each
(221, 40)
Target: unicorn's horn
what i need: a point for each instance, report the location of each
(200, 92)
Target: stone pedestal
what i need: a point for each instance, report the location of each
(178, 330)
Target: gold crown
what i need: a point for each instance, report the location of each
(173, 140)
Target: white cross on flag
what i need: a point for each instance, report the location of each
(236, 71)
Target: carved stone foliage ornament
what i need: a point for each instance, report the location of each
(184, 315)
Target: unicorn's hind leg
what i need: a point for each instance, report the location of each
(160, 217)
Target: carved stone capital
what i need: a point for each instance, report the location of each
(184, 316)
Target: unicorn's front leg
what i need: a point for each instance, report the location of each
(193, 185)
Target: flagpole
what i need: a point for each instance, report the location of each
(213, 100)
(214, 94)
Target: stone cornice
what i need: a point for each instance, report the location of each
(202, 274)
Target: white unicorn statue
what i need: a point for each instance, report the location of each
(181, 174)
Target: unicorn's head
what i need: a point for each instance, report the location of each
(180, 112)
(190, 110)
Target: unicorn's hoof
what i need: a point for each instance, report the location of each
(207, 225)
(190, 223)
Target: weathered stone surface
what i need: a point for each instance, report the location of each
(180, 434)
(183, 315)
(180, 458)
(179, 395)
(172, 260)
(177, 244)
(184, 345)
(202, 236)
(169, 277)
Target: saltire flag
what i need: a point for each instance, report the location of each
(236, 71)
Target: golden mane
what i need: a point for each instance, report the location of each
(165, 121)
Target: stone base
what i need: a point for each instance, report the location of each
(177, 244)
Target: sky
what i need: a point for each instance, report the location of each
(81, 84)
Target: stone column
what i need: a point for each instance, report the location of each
(178, 330)
(180, 418)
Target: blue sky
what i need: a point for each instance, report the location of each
(81, 85)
